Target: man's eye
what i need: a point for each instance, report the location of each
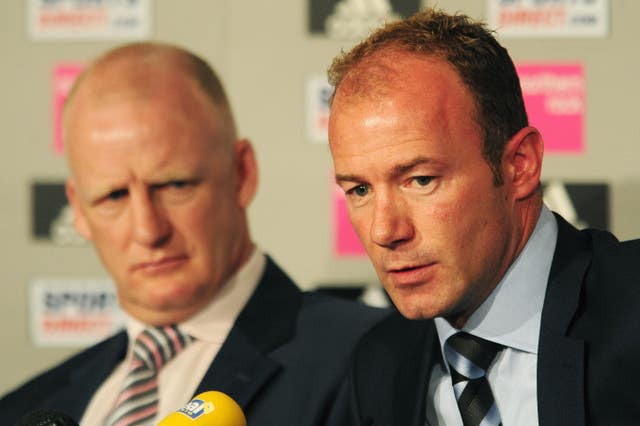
(360, 190)
(117, 195)
(176, 190)
(423, 180)
(178, 184)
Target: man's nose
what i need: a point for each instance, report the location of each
(391, 225)
(151, 226)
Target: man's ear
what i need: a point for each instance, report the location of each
(246, 172)
(79, 219)
(522, 162)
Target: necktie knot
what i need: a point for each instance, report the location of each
(474, 349)
(156, 346)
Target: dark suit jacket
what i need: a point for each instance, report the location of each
(588, 355)
(284, 360)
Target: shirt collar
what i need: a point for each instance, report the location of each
(511, 314)
(213, 322)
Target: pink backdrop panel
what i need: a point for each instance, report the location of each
(345, 242)
(63, 77)
(554, 95)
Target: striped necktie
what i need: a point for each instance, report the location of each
(137, 403)
(469, 358)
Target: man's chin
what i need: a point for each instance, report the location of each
(160, 312)
(414, 314)
(408, 310)
(412, 309)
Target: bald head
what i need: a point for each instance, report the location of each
(146, 72)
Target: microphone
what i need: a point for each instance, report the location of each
(44, 417)
(210, 408)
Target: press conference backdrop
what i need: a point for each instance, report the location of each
(265, 53)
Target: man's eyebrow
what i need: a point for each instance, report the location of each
(96, 193)
(397, 170)
(403, 168)
(347, 178)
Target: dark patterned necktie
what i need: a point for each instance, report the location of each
(469, 358)
(137, 403)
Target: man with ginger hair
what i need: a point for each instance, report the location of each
(510, 315)
(160, 183)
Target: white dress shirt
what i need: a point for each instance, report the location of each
(510, 316)
(180, 377)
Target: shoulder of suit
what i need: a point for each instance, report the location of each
(115, 346)
(58, 375)
(612, 282)
(607, 249)
(339, 309)
(395, 335)
(339, 320)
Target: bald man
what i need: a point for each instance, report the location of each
(161, 183)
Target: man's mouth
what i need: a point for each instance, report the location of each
(411, 275)
(163, 264)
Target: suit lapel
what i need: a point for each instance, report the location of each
(239, 370)
(243, 366)
(561, 359)
(413, 375)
